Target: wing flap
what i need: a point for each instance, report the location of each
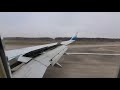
(33, 69)
(24, 59)
(58, 56)
(44, 61)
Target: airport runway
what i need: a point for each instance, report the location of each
(85, 66)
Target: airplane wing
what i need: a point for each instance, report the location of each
(32, 62)
(11, 54)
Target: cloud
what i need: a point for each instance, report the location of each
(53, 24)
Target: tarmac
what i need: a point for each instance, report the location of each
(84, 66)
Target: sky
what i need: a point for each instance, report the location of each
(60, 24)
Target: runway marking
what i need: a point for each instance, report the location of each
(107, 54)
(96, 45)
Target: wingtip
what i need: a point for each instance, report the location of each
(75, 36)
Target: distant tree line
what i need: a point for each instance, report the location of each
(61, 39)
(88, 39)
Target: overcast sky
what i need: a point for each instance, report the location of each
(60, 24)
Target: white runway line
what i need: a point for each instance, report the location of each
(97, 45)
(107, 54)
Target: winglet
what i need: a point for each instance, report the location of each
(74, 37)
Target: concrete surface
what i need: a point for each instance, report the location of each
(84, 66)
